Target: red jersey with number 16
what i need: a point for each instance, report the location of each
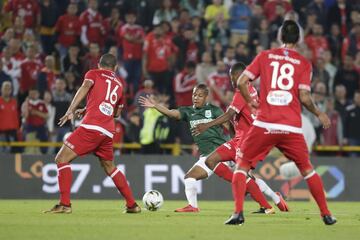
(243, 118)
(103, 99)
(283, 72)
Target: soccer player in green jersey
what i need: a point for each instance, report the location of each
(207, 142)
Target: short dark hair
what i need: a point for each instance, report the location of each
(237, 67)
(202, 87)
(108, 61)
(290, 32)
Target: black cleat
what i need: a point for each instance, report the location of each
(266, 211)
(329, 220)
(236, 219)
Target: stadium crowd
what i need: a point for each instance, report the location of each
(165, 48)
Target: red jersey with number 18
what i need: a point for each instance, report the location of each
(103, 99)
(283, 73)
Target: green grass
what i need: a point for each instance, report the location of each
(22, 219)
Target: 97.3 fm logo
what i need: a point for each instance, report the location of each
(333, 178)
(47, 172)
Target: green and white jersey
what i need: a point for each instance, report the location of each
(212, 138)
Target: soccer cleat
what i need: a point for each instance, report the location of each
(236, 219)
(329, 220)
(58, 208)
(282, 205)
(133, 209)
(266, 211)
(188, 208)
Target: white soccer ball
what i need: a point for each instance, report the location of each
(153, 200)
(289, 171)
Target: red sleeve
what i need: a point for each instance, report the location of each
(58, 24)
(122, 31)
(305, 78)
(90, 76)
(238, 102)
(253, 70)
(83, 19)
(146, 46)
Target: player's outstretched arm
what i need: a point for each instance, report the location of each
(308, 102)
(222, 119)
(79, 96)
(150, 102)
(242, 85)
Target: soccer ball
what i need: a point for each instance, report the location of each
(153, 200)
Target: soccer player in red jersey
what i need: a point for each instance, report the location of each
(285, 86)
(241, 118)
(95, 134)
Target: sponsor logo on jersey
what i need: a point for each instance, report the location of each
(208, 114)
(196, 122)
(106, 108)
(279, 98)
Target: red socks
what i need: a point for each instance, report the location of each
(253, 189)
(123, 187)
(223, 171)
(239, 189)
(64, 180)
(316, 188)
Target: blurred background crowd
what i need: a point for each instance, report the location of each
(165, 48)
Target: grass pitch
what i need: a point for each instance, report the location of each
(99, 219)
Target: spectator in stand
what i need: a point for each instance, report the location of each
(72, 62)
(351, 44)
(184, 83)
(205, 68)
(199, 29)
(158, 59)
(261, 36)
(320, 74)
(49, 15)
(61, 101)
(3, 76)
(216, 10)
(319, 9)
(132, 128)
(335, 134)
(190, 49)
(71, 84)
(184, 18)
(219, 85)
(219, 31)
(348, 77)
(9, 120)
(147, 90)
(255, 19)
(132, 36)
(357, 63)
(310, 21)
(229, 58)
(339, 13)
(352, 126)
(112, 26)
(11, 67)
(195, 7)
(6, 37)
(92, 28)
(47, 76)
(317, 42)
(242, 54)
(330, 68)
(35, 114)
(92, 58)
(240, 15)
(165, 13)
(341, 101)
(217, 53)
(278, 20)
(29, 70)
(68, 29)
(335, 40)
(27, 9)
(15, 49)
(50, 122)
(271, 8)
(19, 28)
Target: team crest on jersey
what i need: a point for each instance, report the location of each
(286, 52)
(208, 114)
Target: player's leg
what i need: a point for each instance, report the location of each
(121, 184)
(105, 153)
(294, 147)
(197, 172)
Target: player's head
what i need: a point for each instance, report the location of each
(235, 72)
(290, 32)
(199, 96)
(6, 89)
(108, 61)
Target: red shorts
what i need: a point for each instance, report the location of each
(84, 141)
(259, 141)
(227, 151)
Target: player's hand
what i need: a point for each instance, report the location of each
(68, 116)
(324, 119)
(253, 105)
(79, 113)
(147, 101)
(199, 129)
